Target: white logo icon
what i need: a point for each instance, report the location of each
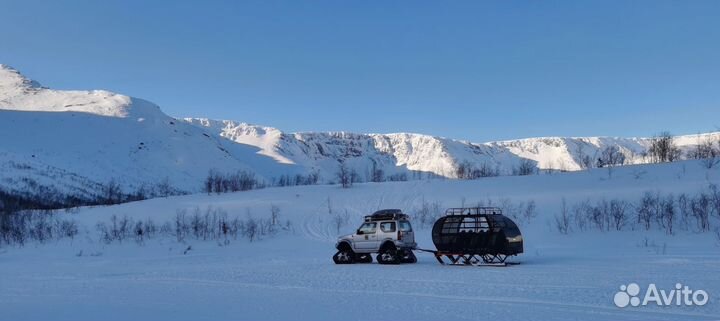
(627, 295)
(680, 295)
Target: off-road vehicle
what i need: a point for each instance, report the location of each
(386, 232)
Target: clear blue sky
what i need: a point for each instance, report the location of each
(469, 70)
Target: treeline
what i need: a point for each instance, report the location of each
(19, 227)
(667, 212)
(112, 193)
(217, 182)
(210, 224)
(663, 148)
(522, 212)
(41, 197)
(44, 199)
(296, 180)
(214, 224)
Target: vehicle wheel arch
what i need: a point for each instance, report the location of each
(387, 243)
(344, 245)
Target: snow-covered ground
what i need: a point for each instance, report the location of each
(291, 276)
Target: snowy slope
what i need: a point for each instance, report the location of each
(560, 277)
(98, 136)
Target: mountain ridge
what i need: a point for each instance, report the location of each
(71, 139)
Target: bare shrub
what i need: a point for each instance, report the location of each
(376, 175)
(530, 212)
(182, 229)
(684, 211)
(714, 194)
(618, 213)
(112, 193)
(428, 212)
(344, 175)
(251, 228)
(600, 215)
(20, 227)
(701, 206)
(706, 152)
(663, 149)
(340, 220)
(274, 214)
(118, 229)
(581, 213)
(562, 222)
(668, 213)
(218, 183)
(645, 209)
(611, 156)
(525, 167)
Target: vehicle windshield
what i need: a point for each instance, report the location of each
(405, 226)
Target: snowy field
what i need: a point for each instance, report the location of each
(290, 276)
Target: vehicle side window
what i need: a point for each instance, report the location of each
(484, 226)
(468, 225)
(368, 228)
(387, 227)
(405, 226)
(474, 224)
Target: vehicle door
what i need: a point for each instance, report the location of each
(388, 231)
(366, 236)
(406, 232)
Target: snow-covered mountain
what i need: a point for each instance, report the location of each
(416, 155)
(76, 141)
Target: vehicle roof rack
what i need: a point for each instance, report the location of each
(473, 211)
(387, 214)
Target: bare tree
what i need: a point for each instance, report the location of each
(529, 212)
(701, 206)
(251, 227)
(663, 148)
(486, 170)
(562, 222)
(611, 156)
(704, 149)
(274, 214)
(462, 170)
(618, 214)
(377, 174)
(525, 167)
(344, 176)
(112, 193)
(668, 213)
(340, 220)
(706, 152)
(354, 177)
(645, 209)
(579, 214)
(714, 194)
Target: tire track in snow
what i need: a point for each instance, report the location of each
(315, 227)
